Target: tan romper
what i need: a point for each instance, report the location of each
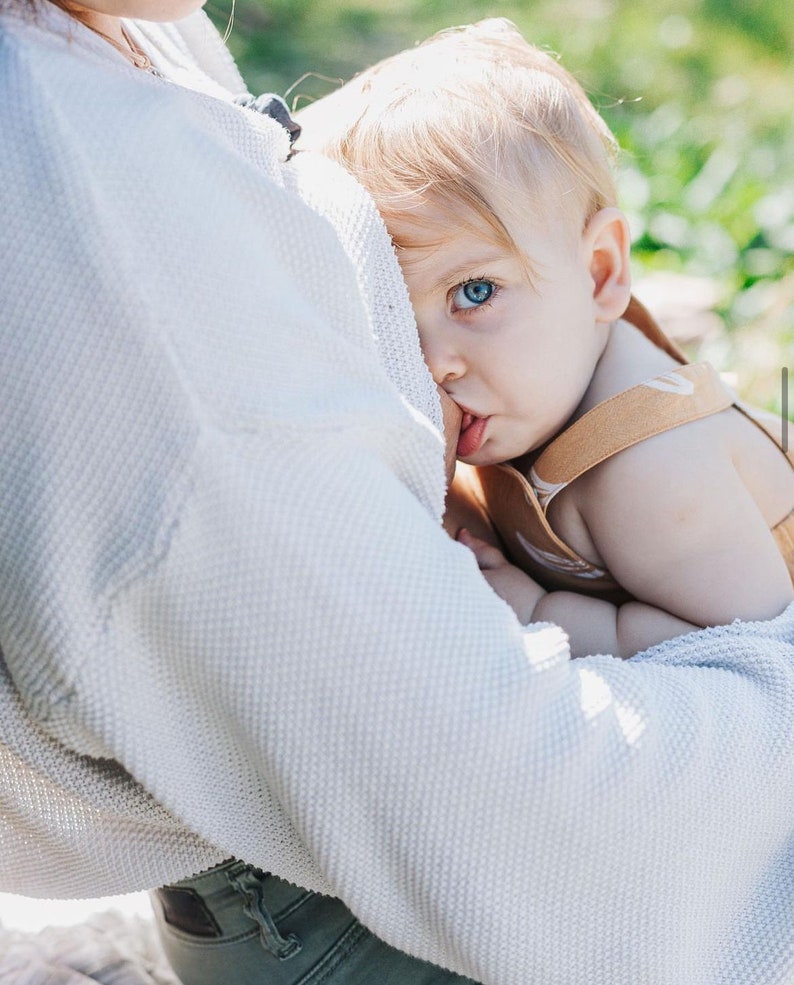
(518, 506)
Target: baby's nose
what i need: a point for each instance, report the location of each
(445, 363)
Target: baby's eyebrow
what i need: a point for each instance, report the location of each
(466, 268)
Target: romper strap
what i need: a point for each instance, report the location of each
(529, 540)
(678, 397)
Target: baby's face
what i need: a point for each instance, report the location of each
(516, 358)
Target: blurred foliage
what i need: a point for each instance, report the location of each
(698, 93)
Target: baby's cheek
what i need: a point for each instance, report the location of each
(452, 416)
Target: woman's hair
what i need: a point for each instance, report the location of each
(477, 122)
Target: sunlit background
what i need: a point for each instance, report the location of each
(699, 95)
(21, 913)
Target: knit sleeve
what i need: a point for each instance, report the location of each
(227, 604)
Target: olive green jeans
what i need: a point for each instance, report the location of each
(234, 925)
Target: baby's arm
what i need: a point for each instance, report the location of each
(593, 625)
(675, 524)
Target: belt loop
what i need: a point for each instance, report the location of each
(245, 881)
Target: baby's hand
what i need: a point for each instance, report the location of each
(510, 583)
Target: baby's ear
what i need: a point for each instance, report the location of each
(607, 242)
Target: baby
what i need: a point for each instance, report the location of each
(634, 496)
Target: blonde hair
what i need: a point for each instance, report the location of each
(471, 112)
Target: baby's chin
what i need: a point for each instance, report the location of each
(487, 455)
(479, 459)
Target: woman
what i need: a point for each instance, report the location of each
(232, 627)
(192, 54)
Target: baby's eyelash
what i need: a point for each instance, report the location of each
(473, 280)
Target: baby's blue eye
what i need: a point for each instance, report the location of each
(472, 294)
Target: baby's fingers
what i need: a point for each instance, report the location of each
(488, 556)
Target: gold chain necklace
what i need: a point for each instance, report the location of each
(130, 49)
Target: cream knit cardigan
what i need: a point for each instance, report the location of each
(231, 623)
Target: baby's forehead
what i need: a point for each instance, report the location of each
(427, 232)
(432, 220)
(433, 263)
(454, 259)
(439, 241)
